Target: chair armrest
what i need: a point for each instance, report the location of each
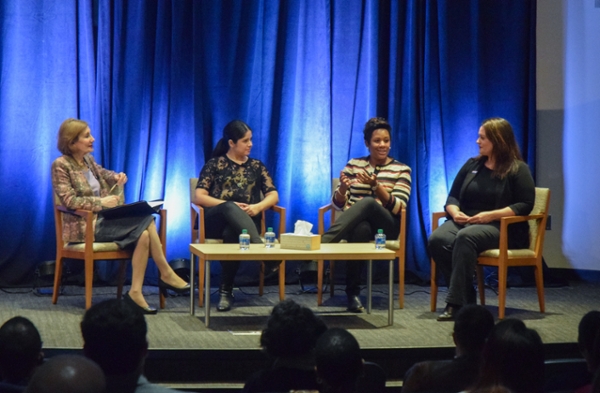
(506, 221)
(162, 230)
(435, 219)
(200, 218)
(88, 215)
(513, 219)
(322, 211)
(281, 211)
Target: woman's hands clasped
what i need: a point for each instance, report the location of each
(251, 210)
(479, 218)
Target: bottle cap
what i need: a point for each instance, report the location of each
(380, 231)
(270, 229)
(244, 231)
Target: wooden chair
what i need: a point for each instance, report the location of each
(503, 257)
(399, 245)
(90, 251)
(198, 236)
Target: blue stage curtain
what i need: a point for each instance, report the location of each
(46, 75)
(158, 80)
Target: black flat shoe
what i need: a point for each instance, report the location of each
(449, 313)
(164, 286)
(144, 310)
(354, 304)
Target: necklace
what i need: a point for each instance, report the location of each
(239, 162)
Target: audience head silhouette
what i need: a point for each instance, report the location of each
(472, 327)
(114, 336)
(20, 350)
(67, 374)
(292, 330)
(513, 357)
(589, 339)
(338, 359)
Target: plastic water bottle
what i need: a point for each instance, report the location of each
(269, 238)
(244, 240)
(380, 240)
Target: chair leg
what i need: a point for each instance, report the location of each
(261, 279)
(320, 266)
(201, 268)
(480, 284)
(89, 281)
(282, 281)
(162, 300)
(539, 283)
(331, 280)
(57, 279)
(401, 266)
(502, 279)
(121, 278)
(434, 287)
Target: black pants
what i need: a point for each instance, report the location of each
(455, 248)
(359, 224)
(226, 221)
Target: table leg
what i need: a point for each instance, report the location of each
(206, 293)
(320, 269)
(391, 294)
(192, 300)
(369, 286)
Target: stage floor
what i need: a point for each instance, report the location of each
(414, 326)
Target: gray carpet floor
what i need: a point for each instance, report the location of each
(414, 326)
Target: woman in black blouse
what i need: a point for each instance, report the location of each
(229, 188)
(495, 184)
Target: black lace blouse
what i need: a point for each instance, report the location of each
(229, 181)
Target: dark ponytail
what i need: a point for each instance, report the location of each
(234, 131)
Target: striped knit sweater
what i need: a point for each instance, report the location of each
(394, 177)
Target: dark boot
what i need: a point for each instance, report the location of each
(225, 298)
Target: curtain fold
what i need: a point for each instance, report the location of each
(158, 80)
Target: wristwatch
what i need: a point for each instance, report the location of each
(375, 186)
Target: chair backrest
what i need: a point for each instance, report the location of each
(57, 219)
(540, 206)
(193, 214)
(334, 213)
(193, 183)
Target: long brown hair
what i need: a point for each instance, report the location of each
(505, 150)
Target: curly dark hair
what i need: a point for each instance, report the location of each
(292, 330)
(376, 123)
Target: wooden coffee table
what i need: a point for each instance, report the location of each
(258, 252)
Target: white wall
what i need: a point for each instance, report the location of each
(568, 131)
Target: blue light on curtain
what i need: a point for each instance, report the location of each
(46, 58)
(158, 80)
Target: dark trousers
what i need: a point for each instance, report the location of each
(359, 224)
(226, 221)
(455, 248)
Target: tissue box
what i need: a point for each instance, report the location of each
(300, 242)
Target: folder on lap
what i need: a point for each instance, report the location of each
(140, 208)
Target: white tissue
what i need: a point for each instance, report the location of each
(302, 228)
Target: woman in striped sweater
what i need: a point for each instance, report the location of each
(371, 193)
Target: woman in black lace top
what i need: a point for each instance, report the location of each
(229, 188)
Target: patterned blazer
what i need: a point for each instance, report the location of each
(74, 192)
